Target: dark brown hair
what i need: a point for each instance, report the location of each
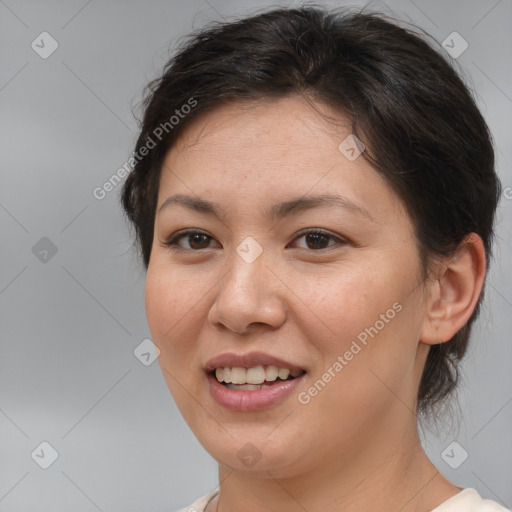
(421, 127)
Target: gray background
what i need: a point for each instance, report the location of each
(70, 323)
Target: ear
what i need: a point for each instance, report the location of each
(455, 291)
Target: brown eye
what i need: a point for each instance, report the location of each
(318, 239)
(196, 240)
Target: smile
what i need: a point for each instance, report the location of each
(257, 377)
(251, 382)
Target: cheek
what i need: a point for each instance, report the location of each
(171, 311)
(353, 302)
(160, 303)
(374, 321)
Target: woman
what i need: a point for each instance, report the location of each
(313, 196)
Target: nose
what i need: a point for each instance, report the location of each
(249, 296)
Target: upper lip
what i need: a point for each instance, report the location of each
(249, 360)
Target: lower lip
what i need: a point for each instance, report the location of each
(252, 400)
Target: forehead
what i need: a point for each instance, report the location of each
(291, 121)
(274, 148)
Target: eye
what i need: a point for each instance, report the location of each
(318, 239)
(196, 240)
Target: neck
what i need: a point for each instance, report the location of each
(384, 476)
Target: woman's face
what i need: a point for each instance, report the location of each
(341, 307)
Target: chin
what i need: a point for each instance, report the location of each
(251, 451)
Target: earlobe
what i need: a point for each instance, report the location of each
(455, 293)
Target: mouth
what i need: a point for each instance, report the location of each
(251, 382)
(253, 378)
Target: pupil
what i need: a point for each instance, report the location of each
(316, 239)
(195, 238)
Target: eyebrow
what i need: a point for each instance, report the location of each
(276, 211)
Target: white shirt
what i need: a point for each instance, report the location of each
(467, 500)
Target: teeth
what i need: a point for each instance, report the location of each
(244, 387)
(283, 373)
(252, 378)
(247, 387)
(255, 375)
(238, 376)
(272, 373)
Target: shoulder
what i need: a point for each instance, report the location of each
(468, 500)
(200, 504)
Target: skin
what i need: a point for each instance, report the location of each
(355, 445)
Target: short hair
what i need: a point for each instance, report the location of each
(417, 119)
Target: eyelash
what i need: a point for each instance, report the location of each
(172, 242)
